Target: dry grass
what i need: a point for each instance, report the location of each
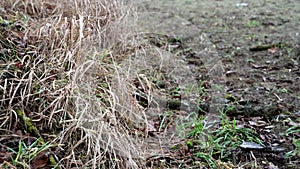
(59, 67)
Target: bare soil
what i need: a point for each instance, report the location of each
(245, 55)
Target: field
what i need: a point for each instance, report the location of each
(149, 84)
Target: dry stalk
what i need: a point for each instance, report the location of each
(54, 57)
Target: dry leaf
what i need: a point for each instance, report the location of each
(41, 160)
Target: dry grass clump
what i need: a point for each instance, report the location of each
(59, 84)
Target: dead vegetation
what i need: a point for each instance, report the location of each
(60, 105)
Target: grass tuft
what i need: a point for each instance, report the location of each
(59, 67)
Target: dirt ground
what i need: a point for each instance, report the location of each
(246, 53)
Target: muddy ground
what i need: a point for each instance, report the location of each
(244, 55)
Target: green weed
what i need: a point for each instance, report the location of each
(198, 128)
(296, 151)
(253, 23)
(25, 154)
(292, 130)
(215, 144)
